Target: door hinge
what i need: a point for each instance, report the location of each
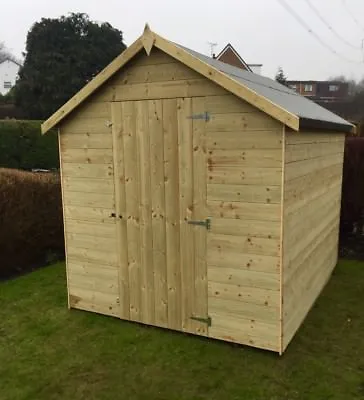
(206, 223)
(203, 320)
(205, 116)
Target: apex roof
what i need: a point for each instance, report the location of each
(274, 99)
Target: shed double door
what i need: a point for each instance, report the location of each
(160, 188)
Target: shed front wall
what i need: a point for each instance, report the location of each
(312, 197)
(240, 180)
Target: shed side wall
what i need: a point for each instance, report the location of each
(312, 196)
(244, 180)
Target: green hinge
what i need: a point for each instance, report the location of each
(203, 320)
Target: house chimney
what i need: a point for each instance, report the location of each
(214, 56)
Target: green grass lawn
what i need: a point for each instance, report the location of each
(48, 352)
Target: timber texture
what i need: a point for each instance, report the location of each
(312, 198)
(156, 150)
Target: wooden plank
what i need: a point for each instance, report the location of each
(238, 175)
(63, 212)
(325, 241)
(91, 242)
(156, 57)
(185, 143)
(77, 295)
(228, 83)
(238, 293)
(267, 158)
(244, 193)
(94, 283)
(244, 227)
(88, 269)
(146, 232)
(91, 228)
(292, 324)
(238, 259)
(310, 220)
(307, 184)
(167, 90)
(170, 71)
(101, 200)
(88, 185)
(244, 278)
(263, 139)
(282, 241)
(86, 141)
(120, 209)
(244, 331)
(88, 156)
(132, 196)
(88, 170)
(305, 167)
(90, 214)
(242, 309)
(92, 109)
(158, 212)
(92, 256)
(243, 121)
(104, 309)
(89, 125)
(200, 298)
(246, 244)
(171, 173)
(228, 103)
(239, 210)
(306, 151)
(94, 84)
(313, 137)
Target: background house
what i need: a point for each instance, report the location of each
(321, 91)
(230, 56)
(8, 73)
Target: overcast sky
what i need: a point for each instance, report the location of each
(262, 31)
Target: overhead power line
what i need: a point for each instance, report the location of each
(352, 15)
(322, 19)
(314, 34)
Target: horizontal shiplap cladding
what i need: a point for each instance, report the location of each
(238, 140)
(305, 167)
(244, 244)
(243, 294)
(241, 210)
(266, 158)
(244, 193)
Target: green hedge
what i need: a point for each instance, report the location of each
(22, 146)
(31, 232)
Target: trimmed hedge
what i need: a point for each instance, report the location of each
(23, 147)
(31, 231)
(352, 204)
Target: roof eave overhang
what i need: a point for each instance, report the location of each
(307, 123)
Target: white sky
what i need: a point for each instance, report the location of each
(262, 31)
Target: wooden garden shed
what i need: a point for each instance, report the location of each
(197, 196)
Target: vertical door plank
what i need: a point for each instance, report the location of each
(186, 204)
(171, 174)
(158, 212)
(199, 213)
(120, 209)
(131, 165)
(146, 242)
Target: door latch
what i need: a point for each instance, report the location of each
(206, 223)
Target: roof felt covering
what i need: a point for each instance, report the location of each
(310, 113)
